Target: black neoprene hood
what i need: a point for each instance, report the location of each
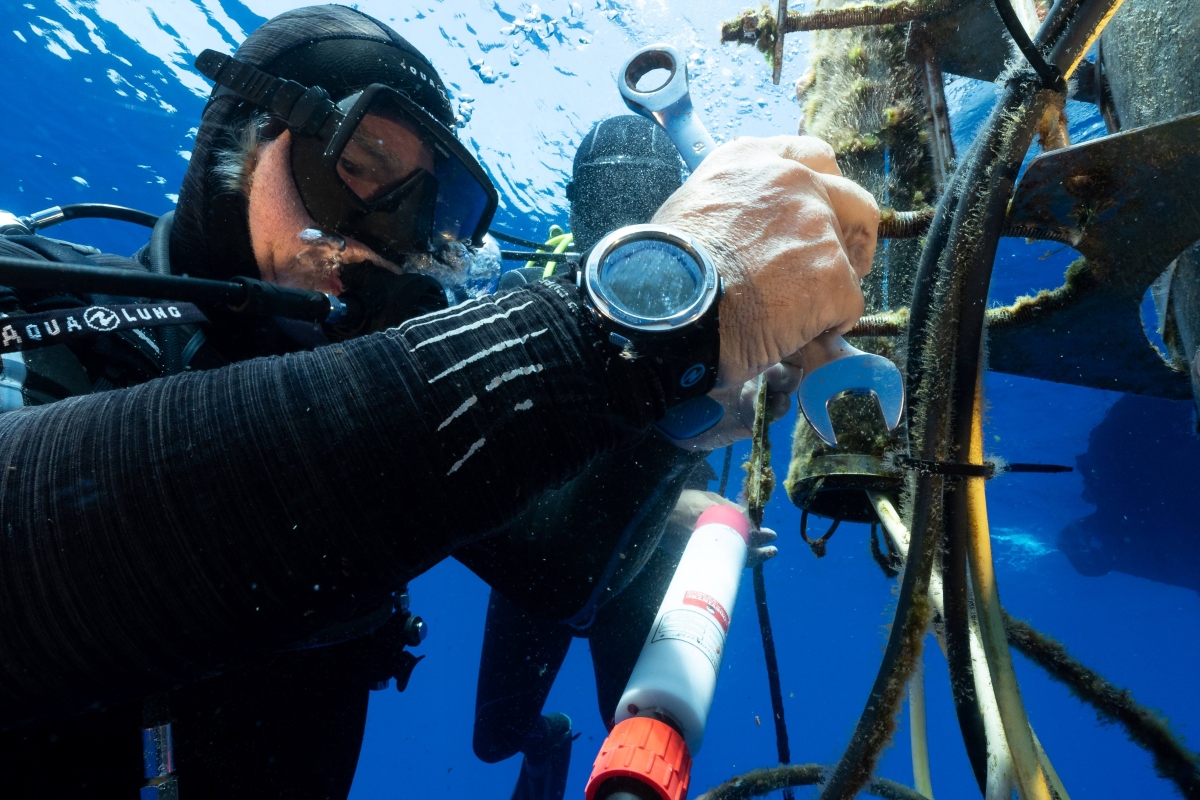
(617, 154)
(334, 47)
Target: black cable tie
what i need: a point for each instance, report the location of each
(952, 469)
(987, 470)
(1043, 468)
(1051, 77)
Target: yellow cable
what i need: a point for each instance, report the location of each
(557, 242)
(563, 242)
(1091, 40)
(1031, 779)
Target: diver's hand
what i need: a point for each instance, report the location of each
(791, 238)
(739, 402)
(692, 503)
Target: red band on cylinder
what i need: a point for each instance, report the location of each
(726, 515)
(646, 750)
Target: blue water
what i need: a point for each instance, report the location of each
(101, 104)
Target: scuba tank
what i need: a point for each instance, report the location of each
(662, 714)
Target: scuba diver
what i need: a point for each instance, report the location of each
(242, 732)
(211, 563)
(594, 557)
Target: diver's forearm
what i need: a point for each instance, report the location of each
(154, 534)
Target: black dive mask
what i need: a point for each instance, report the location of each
(375, 166)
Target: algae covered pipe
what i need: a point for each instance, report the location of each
(981, 211)
(960, 248)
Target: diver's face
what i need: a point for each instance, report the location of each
(282, 234)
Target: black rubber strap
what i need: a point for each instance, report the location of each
(1049, 73)
(46, 328)
(303, 108)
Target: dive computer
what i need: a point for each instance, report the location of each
(655, 293)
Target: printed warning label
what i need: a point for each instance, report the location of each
(697, 628)
(709, 604)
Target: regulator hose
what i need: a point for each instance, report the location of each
(160, 264)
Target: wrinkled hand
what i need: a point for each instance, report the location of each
(692, 503)
(790, 236)
(739, 402)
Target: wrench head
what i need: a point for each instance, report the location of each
(862, 373)
(661, 98)
(669, 105)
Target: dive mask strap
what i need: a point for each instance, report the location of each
(305, 109)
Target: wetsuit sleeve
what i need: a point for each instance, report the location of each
(151, 535)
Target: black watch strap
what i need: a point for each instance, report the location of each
(656, 295)
(686, 360)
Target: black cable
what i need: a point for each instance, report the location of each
(816, 545)
(242, 294)
(102, 211)
(160, 264)
(768, 640)
(31, 273)
(888, 562)
(979, 224)
(782, 747)
(950, 296)
(1043, 468)
(724, 484)
(957, 615)
(540, 258)
(1049, 73)
(504, 237)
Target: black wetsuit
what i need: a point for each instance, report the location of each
(241, 733)
(207, 523)
(584, 560)
(587, 560)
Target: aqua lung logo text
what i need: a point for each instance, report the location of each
(420, 73)
(51, 327)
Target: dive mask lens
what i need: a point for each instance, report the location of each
(401, 182)
(383, 151)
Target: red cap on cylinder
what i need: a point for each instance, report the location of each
(726, 515)
(647, 750)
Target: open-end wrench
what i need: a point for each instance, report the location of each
(848, 370)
